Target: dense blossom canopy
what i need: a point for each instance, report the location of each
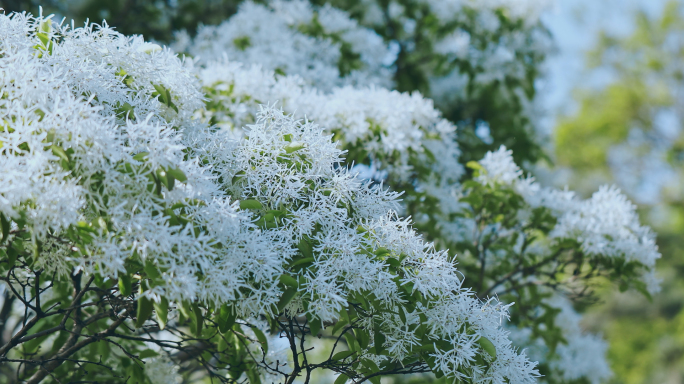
(271, 189)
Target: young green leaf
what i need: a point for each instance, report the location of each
(125, 285)
(262, 339)
(250, 204)
(144, 311)
(161, 311)
(487, 346)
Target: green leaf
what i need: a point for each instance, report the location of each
(346, 316)
(161, 311)
(161, 92)
(289, 281)
(222, 344)
(177, 174)
(351, 341)
(262, 339)
(487, 346)
(293, 147)
(147, 353)
(45, 26)
(623, 286)
(151, 269)
(474, 165)
(370, 364)
(305, 248)
(144, 311)
(378, 337)
(12, 255)
(393, 262)
(125, 285)
(342, 355)
(226, 318)
(250, 204)
(341, 379)
(5, 225)
(253, 374)
(198, 320)
(307, 260)
(362, 337)
(237, 177)
(402, 315)
(165, 179)
(285, 299)
(127, 110)
(44, 38)
(185, 309)
(340, 323)
(141, 156)
(59, 152)
(315, 326)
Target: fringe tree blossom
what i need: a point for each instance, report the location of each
(321, 44)
(539, 245)
(115, 175)
(360, 250)
(206, 220)
(143, 196)
(605, 225)
(233, 88)
(395, 130)
(160, 370)
(582, 356)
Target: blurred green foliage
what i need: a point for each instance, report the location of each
(646, 338)
(503, 104)
(153, 19)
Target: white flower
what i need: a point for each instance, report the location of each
(298, 39)
(161, 370)
(499, 167)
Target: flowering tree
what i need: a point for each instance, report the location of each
(174, 220)
(632, 127)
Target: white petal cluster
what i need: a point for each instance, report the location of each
(499, 168)
(161, 370)
(605, 225)
(289, 167)
(584, 355)
(526, 10)
(70, 163)
(395, 130)
(321, 44)
(492, 59)
(581, 356)
(478, 47)
(109, 137)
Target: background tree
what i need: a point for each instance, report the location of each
(630, 132)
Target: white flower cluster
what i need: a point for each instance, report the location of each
(108, 149)
(581, 355)
(605, 225)
(72, 162)
(287, 167)
(321, 44)
(161, 370)
(584, 354)
(527, 10)
(394, 131)
(473, 35)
